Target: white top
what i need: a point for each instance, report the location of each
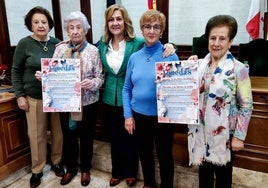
(115, 58)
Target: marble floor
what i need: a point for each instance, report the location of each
(99, 179)
(184, 177)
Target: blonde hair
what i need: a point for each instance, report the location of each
(129, 30)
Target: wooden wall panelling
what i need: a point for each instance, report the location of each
(255, 154)
(14, 145)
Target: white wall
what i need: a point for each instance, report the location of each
(135, 9)
(187, 18)
(16, 10)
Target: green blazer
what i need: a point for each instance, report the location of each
(114, 82)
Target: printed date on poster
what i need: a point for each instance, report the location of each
(61, 88)
(177, 91)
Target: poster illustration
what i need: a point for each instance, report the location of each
(61, 88)
(177, 91)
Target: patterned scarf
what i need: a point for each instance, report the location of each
(209, 141)
(74, 52)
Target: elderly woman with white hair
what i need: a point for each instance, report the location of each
(81, 130)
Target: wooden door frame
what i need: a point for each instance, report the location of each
(4, 37)
(163, 6)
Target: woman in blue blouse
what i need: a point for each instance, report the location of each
(140, 106)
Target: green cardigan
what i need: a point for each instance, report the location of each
(114, 82)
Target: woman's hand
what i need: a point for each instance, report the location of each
(193, 57)
(38, 75)
(169, 50)
(87, 84)
(130, 125)
(23, 104)
(237, 144)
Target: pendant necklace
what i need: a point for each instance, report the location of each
(148, 58)
(45, 48)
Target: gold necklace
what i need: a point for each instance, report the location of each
(45, 48)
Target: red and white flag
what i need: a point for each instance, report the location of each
(254, 17)
(255, 20)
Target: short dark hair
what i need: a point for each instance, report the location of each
(222, 20)
(41, 10)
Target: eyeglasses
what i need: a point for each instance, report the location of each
(148, 27)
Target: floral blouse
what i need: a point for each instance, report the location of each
(91, 69)
(225, 107)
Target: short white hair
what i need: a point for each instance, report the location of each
(77, 15)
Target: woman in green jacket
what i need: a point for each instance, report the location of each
(116, 46)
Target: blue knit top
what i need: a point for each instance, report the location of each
(139, 91)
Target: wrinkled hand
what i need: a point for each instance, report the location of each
(237, 144)
(87, 84)
(23, 104)
(38, 75)
(169, 50)
(193, 57)
(130, 125)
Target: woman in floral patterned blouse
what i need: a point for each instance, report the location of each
(225, 106)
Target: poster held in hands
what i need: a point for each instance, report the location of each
(177, 91)
(61, 89)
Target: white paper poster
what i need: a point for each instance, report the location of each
(61, 87)
(177, 92)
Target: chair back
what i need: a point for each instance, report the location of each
(255, 53)
(200, 46)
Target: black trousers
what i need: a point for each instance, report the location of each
(223, 174)
(150, 133)
(79, 142)
(124, 153)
